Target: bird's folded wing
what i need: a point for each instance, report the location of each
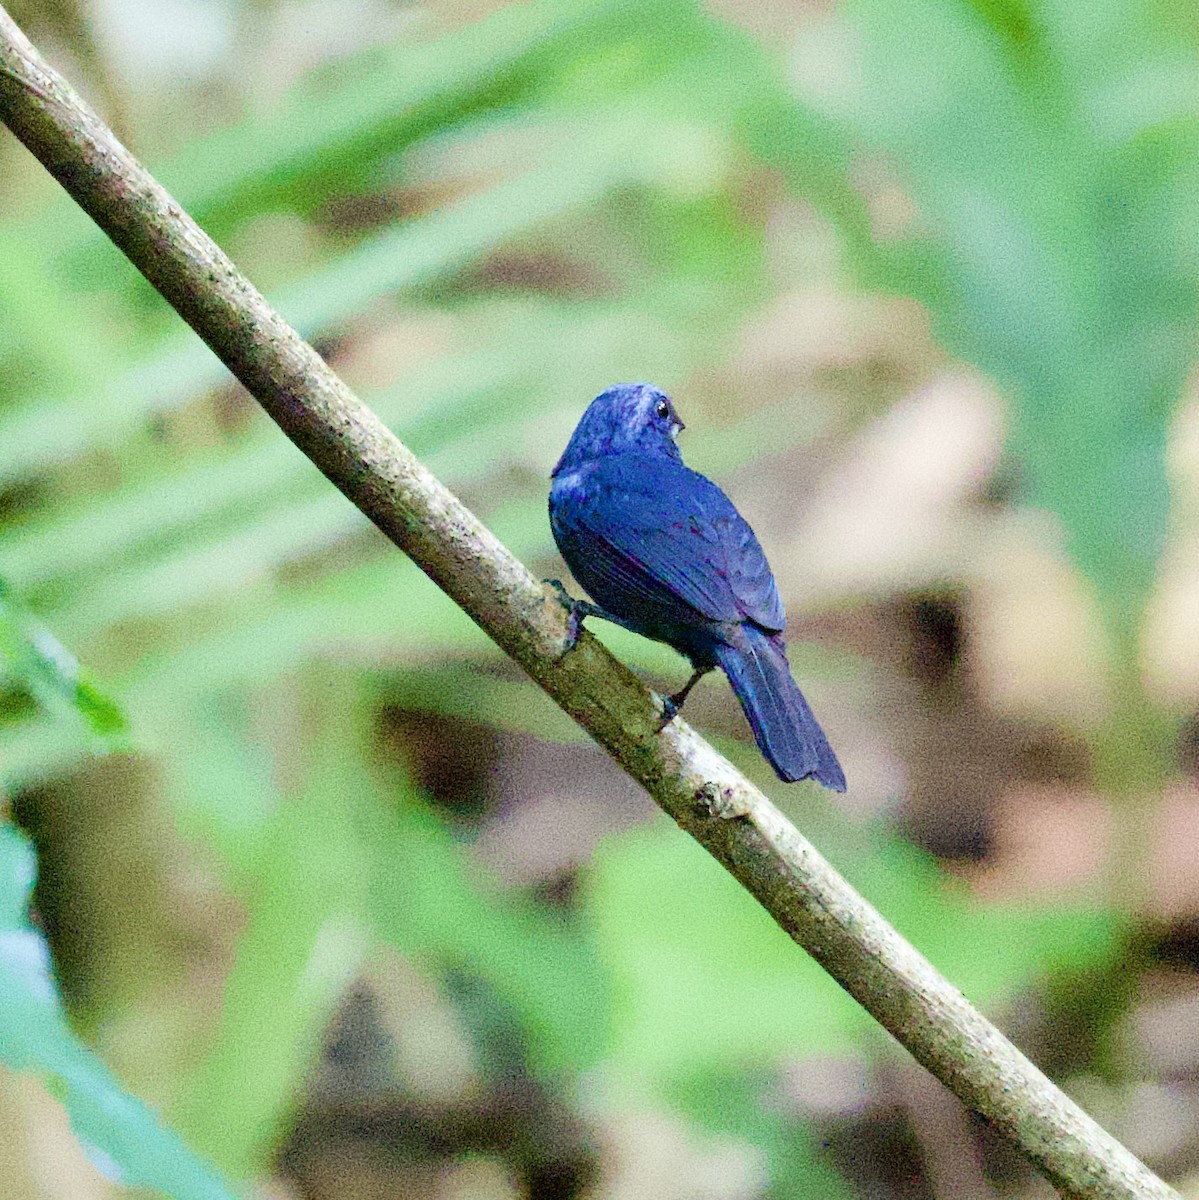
(668, 534)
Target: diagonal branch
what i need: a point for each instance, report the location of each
(688, 779)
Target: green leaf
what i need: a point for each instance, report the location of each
(704, 980)
(708, 983)
(574, 170)
(744, 1104)
(433, 903)
(123, 1137)
(326, 869)
(1047, 254)
(33, 658)
(373, 103)
(34, 751)
(305, 939)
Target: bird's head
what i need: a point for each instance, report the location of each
(629, 418)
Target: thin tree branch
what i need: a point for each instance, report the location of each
(702, 792)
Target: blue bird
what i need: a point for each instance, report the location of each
(663, 552)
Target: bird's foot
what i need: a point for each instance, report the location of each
(672, 704)
(670, 710)
(576, 611)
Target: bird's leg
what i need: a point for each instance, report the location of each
(579, 611)
(672, 704)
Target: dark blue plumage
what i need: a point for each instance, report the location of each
(662, 551)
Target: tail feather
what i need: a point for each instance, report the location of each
(783, 725)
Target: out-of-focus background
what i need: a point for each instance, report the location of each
(343, 899)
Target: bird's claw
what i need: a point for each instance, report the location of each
(574, 616)
(672, 704)
(670, 710)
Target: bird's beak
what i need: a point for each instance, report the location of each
(677, 428)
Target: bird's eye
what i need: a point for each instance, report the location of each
(663, 409)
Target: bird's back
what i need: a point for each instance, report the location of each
(662, 546)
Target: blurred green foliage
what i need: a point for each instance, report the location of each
(158, 525)
(1051, 151)
(39, 670)
(124, 1139)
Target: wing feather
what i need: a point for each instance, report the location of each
(663, 533)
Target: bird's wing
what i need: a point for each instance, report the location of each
(668, 533)
(752, 580)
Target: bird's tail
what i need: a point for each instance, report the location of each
(786, 731)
